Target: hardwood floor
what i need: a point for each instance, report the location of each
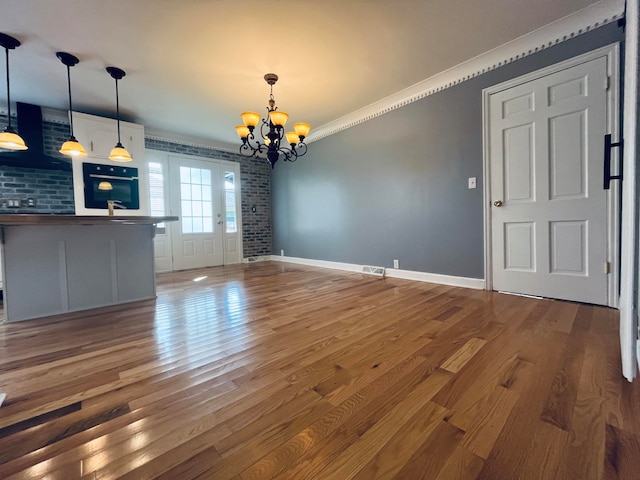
(279, 371)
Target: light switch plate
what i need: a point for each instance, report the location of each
(472, 182)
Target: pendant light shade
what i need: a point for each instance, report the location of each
(71, 147)
(118, 153)
(9, 138)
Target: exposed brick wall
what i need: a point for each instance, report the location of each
(255, 176)
(51, 189)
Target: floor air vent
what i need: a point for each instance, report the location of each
(368, 269)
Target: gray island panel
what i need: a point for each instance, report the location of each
(68, 264)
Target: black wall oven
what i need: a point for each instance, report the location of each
(110, 182)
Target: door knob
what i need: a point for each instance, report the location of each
(497, 203)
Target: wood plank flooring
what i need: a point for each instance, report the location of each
(277, 371)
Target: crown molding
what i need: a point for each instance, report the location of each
(48, 114)
(582, 21)
(164, 136)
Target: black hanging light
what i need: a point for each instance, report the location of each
(71, 147)
(118, 153)
(9, 138)
(272, 131)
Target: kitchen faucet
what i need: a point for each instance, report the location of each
(111, 204)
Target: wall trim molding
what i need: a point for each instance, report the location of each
(465, 282)
(582, 21)
(189, 141)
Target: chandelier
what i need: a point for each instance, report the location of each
(272, 131)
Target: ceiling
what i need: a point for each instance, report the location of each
(193, 65)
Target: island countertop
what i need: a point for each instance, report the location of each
(56, 219)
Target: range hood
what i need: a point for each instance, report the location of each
(30, 129)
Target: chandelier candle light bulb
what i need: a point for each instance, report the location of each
(272, 132)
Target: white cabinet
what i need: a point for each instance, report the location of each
(99, 135)
(102, 137)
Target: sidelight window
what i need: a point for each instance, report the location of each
(230, 202)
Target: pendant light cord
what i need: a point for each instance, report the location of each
(6, 51)
(69, 84)
(118, 111)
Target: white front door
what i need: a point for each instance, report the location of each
(196, 197)
(549, 209)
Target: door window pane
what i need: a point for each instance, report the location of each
(196, 177)
(185, 191)
(186, 208)
(207, 209)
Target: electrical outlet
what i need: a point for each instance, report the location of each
(472, 182)
(396, 264)
(282, 253)
(13, 203)
(31, 202)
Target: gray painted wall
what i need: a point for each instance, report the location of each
(395, 187)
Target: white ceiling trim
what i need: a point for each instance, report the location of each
(594, 16)
(189, 141)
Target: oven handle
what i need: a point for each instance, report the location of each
(112, 177)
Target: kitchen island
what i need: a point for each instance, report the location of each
(55, 264)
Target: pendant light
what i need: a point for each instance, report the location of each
(71, 147)
(9, 138)
(118, 153)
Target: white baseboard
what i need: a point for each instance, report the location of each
(348, 267)
(466, 282)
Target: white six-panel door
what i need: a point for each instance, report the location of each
(549, 209)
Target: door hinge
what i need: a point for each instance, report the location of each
(607, 83)
(607, 267)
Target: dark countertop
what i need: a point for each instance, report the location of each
(36, 219)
